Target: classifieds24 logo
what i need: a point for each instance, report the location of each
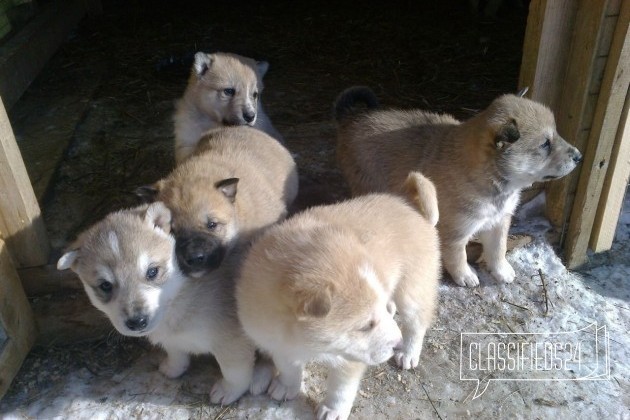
(580, 355)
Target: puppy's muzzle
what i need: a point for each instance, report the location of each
(198, 253)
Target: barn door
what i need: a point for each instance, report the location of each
(17, 326)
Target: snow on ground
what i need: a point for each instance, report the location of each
(126, 384)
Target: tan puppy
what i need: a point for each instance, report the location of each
(478, 166)
(223, 89)
(238, 182)
(128, 267)
(321, 286)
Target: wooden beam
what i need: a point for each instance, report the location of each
(570, 112)
(615, 185)
(16, 319)
(47, 279)
(600, 143)
(24, 55)
(67, 318)
(545, 53)
(21, 224)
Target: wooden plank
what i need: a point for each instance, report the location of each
(67, 318)
(21, 224)
(16, 319)
(46, 279)
(23, 56)
(570, 112)
(601, 140)
(615, 185)
(549, 28)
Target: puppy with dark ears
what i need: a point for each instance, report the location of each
(238, 182)
(479, 166)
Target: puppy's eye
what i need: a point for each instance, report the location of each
(106, 286)
(229, 92)
(152, 273)
(211, 225)
(255, 95)
(369, 327)
(546, 144)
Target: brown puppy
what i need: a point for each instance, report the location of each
(320, 286)
(223, 89)
(478, 166)
(238, 182)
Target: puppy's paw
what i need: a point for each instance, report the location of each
(225, 393)
(174, 367)
(407, 359)
(263, 374)
(466, 277)
(503, 271)
(326, 413)
(280, 392)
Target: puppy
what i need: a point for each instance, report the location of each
(324, 284)
(238, 182)
(128, 267)
(223, 89)
(479, 166)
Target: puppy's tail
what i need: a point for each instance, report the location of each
(347, 100)
(421, 191)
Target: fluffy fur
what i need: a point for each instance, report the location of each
(238, 182)
(129, 271)
(325, 283)
(223, 89)
(479, 166)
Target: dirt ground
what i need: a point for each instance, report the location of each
(109, 93)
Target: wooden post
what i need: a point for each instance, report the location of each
(21, 224)
(614, 89)
(16, 319)
(545, 53)
(572, 113)
(24, 55)
(615, 185)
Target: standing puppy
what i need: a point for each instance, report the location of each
(322, 286)
(128, 267)
(238, 182)
(223, 90)
(479, 166)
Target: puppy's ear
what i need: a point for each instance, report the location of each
(228, 188)
(262, 67)
(158, 215)
(421, 191)
(148, 193)
(508, 134)
(68, 259)
(313, 303)
(202, 63)
(521, 93)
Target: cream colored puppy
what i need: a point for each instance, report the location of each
(322, 286)
(478, 166)
(238, 182)
(128, 267)
(223, 90)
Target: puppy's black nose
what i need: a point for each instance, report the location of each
(577, 157)
(195, 259)
(137, 323)
(249, 116)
